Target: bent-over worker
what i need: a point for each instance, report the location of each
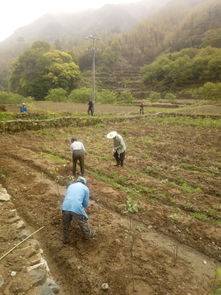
(119, 147)
(75, 202)
(78, 152)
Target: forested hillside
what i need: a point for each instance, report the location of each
(180, 24)
(65, 31)
(189, 66)
(130, 37)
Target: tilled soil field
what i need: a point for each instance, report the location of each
(157, 220)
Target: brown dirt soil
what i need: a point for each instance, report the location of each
(160, 250)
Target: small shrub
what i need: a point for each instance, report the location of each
(154, 96)
(191, 93)
(210, 91)
(106, 96)
(187, 188)
(125, 97)
(11, 98)
(170, 97)
(103, 96)
(132, 206)
(80, 95)
(57, 94)
(200, 216)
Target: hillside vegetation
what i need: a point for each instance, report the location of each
(180, 24)
(40, 69)
(189, 25)
(175, 43)
(66, 31)
(187, 67)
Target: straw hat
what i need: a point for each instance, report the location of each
(112, 134)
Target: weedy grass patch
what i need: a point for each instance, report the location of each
(217, 283)
(132, 206)
(200, 216)
(187, 188)
(207, 217)
(189, 121)
(53, 158)
(3, 174)
(5, 116)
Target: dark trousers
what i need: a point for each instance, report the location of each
(141, 111)
(90, 111)
(119, 158)
(78, 156)
(79, 220)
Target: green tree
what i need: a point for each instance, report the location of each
(40, 69)
(62, 72)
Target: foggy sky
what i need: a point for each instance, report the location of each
(17, 13)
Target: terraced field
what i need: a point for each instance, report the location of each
(157, 220)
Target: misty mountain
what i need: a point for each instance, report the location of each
(178, 24)
(65, 30)
(197, 26)
(108, 19)
(131, 34)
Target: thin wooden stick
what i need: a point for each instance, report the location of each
(21, 243)
(58, 187)
(175, 255)
(131, 252)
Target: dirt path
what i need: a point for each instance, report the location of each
(82, 267)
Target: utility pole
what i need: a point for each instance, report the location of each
(93, 38)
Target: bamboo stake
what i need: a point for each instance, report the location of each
(131, 253)
(21, 243)
(175, 255)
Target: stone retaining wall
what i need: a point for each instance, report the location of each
(193, 116)
(25, 270)
(22, 125)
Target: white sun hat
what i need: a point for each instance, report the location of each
(111, 134)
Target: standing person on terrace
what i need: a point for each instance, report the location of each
(78, 152)
(74, 207)
(141, 108)
(119, 147)
(90, 110)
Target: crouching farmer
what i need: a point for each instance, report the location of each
(73, 208)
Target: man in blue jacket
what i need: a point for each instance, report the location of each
(73, 208)
(23, 109)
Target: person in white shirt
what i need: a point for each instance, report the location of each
(78, 152)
